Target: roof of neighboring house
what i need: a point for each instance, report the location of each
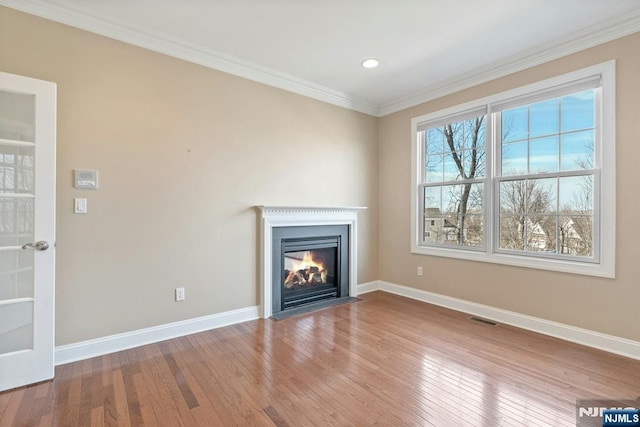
(448, 224)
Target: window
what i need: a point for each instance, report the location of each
(525, 177)
(546, 188)
(454, 179)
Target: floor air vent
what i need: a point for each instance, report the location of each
(484, 321)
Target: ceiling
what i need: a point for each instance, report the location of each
(426, 48)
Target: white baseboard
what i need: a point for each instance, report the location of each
(610, 343)
(363, 288)
(110, 344)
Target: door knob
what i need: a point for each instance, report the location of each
(41, 245)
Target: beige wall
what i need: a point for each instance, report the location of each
(604, 305)
(183, 153)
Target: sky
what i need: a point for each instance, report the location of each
(549, 136)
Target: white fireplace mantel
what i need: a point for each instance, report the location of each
(299, 216)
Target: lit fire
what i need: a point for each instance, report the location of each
(305, 272)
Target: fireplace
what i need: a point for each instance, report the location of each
(309, 264)
(308, 257)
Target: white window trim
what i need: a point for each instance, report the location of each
(605, 236)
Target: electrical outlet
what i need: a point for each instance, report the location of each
(179, 294)
(420, 271)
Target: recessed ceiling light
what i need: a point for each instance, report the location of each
(370, 63)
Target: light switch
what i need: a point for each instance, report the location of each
(80, 206)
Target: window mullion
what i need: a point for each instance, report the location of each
(562, 174)
(558, 216)
(492, 153)
(454, 182)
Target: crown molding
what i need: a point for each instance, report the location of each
(606, 31)
(59, 12)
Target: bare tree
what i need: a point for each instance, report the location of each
(525, 205)
(465, 142)
(576, 221)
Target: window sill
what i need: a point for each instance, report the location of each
(564, 266)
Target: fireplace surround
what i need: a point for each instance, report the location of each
(299, 234)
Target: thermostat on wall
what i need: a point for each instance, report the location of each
(85, 178)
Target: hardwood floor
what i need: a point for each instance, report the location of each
(384, 360)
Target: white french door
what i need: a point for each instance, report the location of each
(27, 229)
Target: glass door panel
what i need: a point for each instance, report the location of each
(16, 274)
(16, 221)
(17, 116)
(17, 196)
(16, 326)
(16, 169)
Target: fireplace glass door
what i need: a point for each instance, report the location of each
(310, 271)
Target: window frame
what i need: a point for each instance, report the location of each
(603, 262)
(423, 184)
